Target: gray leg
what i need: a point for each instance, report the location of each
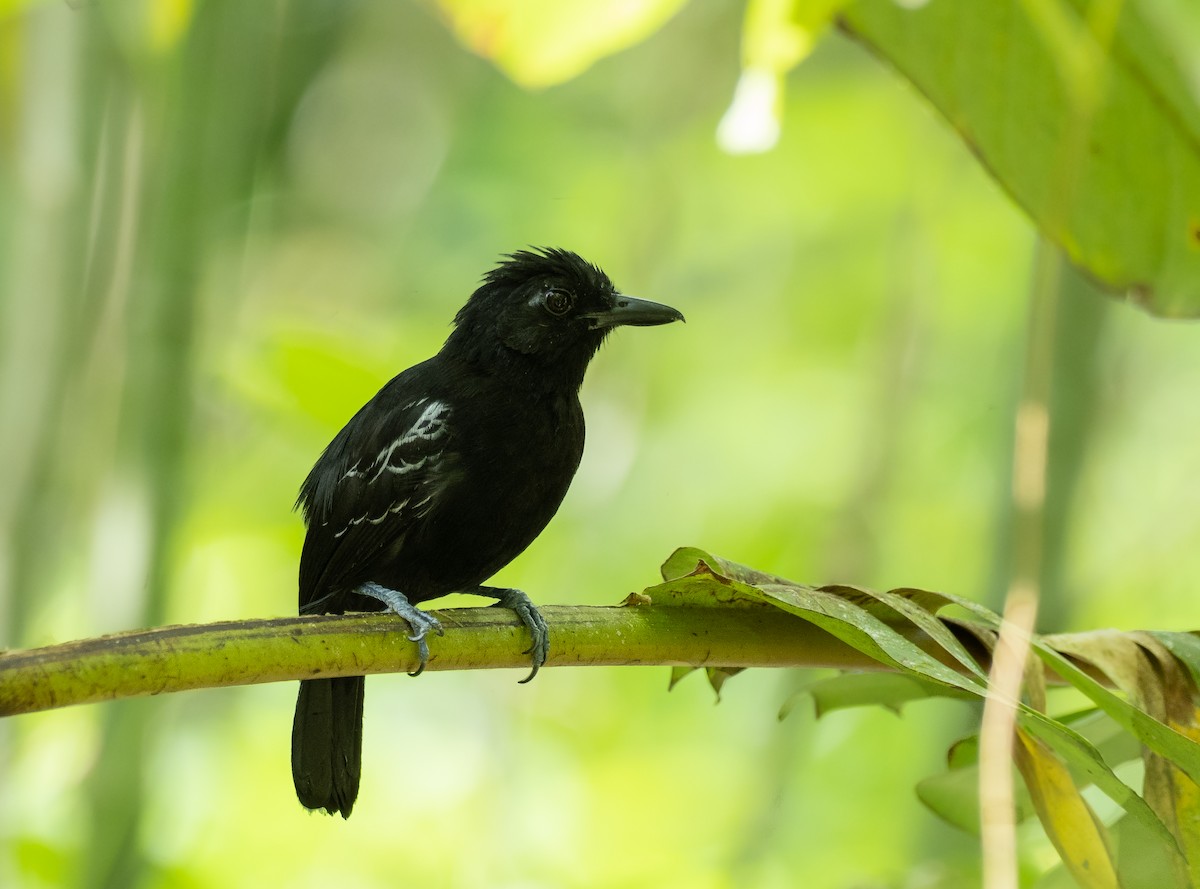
(422, 622)
(517, 601)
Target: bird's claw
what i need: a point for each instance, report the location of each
(518, 602)
(423, 626)
(422, 655)
(421, 622)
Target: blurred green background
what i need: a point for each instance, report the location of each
(223, 225)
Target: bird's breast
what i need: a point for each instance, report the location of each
(510, 479)
(535, 455)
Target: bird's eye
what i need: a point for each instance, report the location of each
(559, 302)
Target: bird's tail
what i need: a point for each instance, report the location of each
(327, 743)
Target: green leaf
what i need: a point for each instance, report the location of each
(1113, 743)
(1140, 863)
(916, 606)
(859, 628)
(963, 753)
(890, 690)
(688, 560)
(953, 795)
(704, 590)
(1083, 118)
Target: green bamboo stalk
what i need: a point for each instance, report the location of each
(180, 658)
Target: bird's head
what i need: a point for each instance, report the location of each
(547, 308)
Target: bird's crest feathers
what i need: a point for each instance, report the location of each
(522, 265)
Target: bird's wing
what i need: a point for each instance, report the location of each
(375, 481)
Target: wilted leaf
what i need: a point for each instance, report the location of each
(1072, 827)
(1085, 759)
(1114, 654)
(1166, 692)
(875, 624)
(1094, 738)
(954, 795)
(1160, 738)
(1186, 647)
(718, 676)
(696, 577)
(677, 675)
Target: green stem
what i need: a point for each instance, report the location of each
(179, 658)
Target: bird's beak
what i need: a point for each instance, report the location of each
(628, 310)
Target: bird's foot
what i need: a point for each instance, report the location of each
(422, 622)
(517, 601)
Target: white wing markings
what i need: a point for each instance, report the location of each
(430, 426)
(391, 510)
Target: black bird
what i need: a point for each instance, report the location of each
(447, 475)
